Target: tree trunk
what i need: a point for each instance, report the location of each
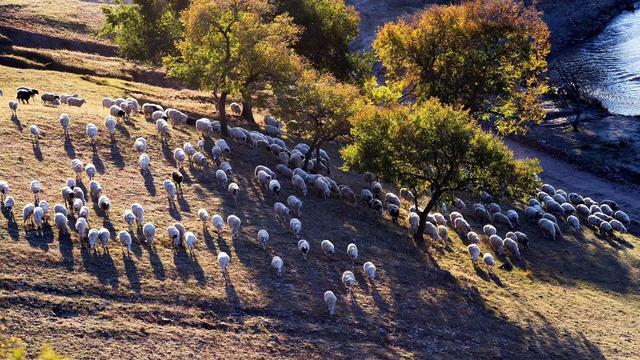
(308, 156)
(247, 109)
(222, 113)
(418, 237)
(576, 122)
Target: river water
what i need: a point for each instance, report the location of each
(609, 65)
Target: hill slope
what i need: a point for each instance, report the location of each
(157, 303)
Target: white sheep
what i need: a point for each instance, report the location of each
(497, 244)
(327, 247)
(605, 229)
(223, 261)
(92, 132)
(473, 238)
(111, 123)
(474, 252)
(274, 187)
(61, 222)
(235, 108)
(140, 145)
(299, 184)
(64, 122)
(38, 217)
(149, 232)
(176, 116)
(489, 262)
(218, 223)
(574, 223)
(489, 230)
(104, 236)
(462, 226)
(104, 204)
(138, 212)
(27, 212)
(129, 218)
(82, 228)
(443, 232)
(92, 238)
(117, 111)
(281, 211)
(295, 227)
(95, 189)
(370, 270)
(148, 109)
(76, 101)
(35, 133)
(170, 188)
(277, 264)
(615, 225)
(234, 224)
(190, 241)
(263, 238)
(349, 281)
(330, 299)
(204, 127)
(125, 240)
(352, 252)
(163, 130)
(174, 235)
(90, 169)
(323, 188)
(222, 178)
(36, 189)
(108, 102)
(144, 162)
(548, 227)
(512, 246)
(222, 144)
(13, 106)
(622, 217)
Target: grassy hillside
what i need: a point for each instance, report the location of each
(578, 297)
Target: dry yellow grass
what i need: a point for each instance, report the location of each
(575, 298)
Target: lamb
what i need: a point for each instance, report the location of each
(76, 101)
(497, 244)
(36, 188)
(35, 133)
(125, 240)
(473, 238)
(489, 230)
(574, 223)
(190, 241)
(489, 262)
(352, 252)
(548, 227)
(149, 232)
(64, 122)
(330, 299)
(281, 211)
(234, 224)
(223, 261)
(104, 204)
(90, 169)
(274, 187)
(144, 162)
(615, 225)
(474, 252)
(129, 218)
(82, 228)
(327, 247)
(277, 263)
(140, 145)
(13, 106)
(622, 217)
(61, 222)
(218, 223)
(170, 188)
(349, 281)
(222, 178)
(295, 227)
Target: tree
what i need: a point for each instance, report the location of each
(234, 47)
(435, 150)
(318, 108)
(329, 27)
(145, 30)
(571, 90)
(488, 56)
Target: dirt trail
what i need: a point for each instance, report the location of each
(570, 177)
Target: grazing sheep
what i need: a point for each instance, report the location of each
(108, 102)
(497, 244)
(129, 218)
(235, 109)
(60, 209)
(615, 225)
(462, 226)
(203, 215)
(222, 178)
(125, 240)
(299, 184)
(77, 205)
(64, 122)
(480, 212)
(76, 101)
(277, 263)
(104, 204)
(502, 219)
(90, 169)
(218, 223)
(177, 178)
(222, 144)
(61, 222)
(148, 109)
(327, 247)
(84, 213)
(349, 281)
(391, 198)
(13, 106)
(323, 188)
(610, 203)
(110, 123)
(92, 132)
(27, 212)
(226, 167)
(394, 212)
(234, 224)
(473, 238)
(223, 261)
(622, 217)
(8, 204)
(489, 262)
(548, 189)
(274, 187)
(431, 230)
(92, 238)
(443, 233)
(149, 232)
(281, 211)
(583, 210)
(295, 227)
(605, 229)
(117, 111)
(95, 189)
(370, 270)
(140, 145)
(347, 195)
(284, 171)
(574, 223)
(174, 235)
(163, 130)
(513, 217)
(376, 205)
(532, 213)
(295, 205)
(170, 188)
(4, 189)
(190, 241)
(594, 221)
(523, 239)
(200, 160)
(38, 217)
(548, 228)
(589, 202)
(82, 228)
(474, 252)
(263, 238)
(204, 127)
(512, 247)
(177, 117)
(352, 252)
(489, 230)
(603, 216)
(159, 115)
(144, 162)
(35, 133)
(330, 299)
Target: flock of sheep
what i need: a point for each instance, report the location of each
(548, 206)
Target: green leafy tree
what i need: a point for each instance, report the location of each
(15, 349)
(234, 47)
(435, 150)
(317, 108)
(329, 27)
(488, 56)
(144, 30)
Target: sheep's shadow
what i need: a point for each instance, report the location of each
(173, 210)
(620, 240)
(168, 154)
(97, 162)
(156, 264)
(232, 296)
(184, 204)
(124, 131)
(39, 239)
(37, 151)
(100, 265)
(66, 250)
(16, 122)
(208, 240)
(69, 148)
(187, 265)
(148, 183)
(116, 156)
(132, 272)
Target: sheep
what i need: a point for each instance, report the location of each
(234, 224)
(90, 169)
(64, 122)
(203, 215)
(13, 106)
(277, 263)
(622, 217)
(174, 235)
(349, 281)
(35, 133)
(330, 299)
(299, 184)
(583, 210)
(4, 189)
(322, 186)
(462, 226)
(226, 167)
(391, 198)
(474, 252)
(603, 216)
(159, 115)
(204, 127)
(605, 229)
(23, 95)
(128, 218)
(60, 209)
(76, 101)
(431, 230)
(148, 109)
(295, 227)
(125, 240)
(190, 241)
(176, 116)
(376, 189)
(454, 215)
(274, 187)
(347, 195)
(595, 209)
(489, 262)
(27, 212)
(177, 178)
(110, 123)
(352, 252)
(82, 228)
(610, 203)
(107, 102)
(512, 247)
(548, 227)
(493, 208)
(489, 230)
(497, 244)
(548, 189)
(79, 194)
(35, 188)
(281, 211)
(170, 188)
(38, 217)
(95, 189)
(104, 204)
(615, 225)
(574, 223)
(200, 160)
(144, 162)
(84, 213)
(222, 178)
(594, 221)
(522, 238)
(588, 202)
(443, 233)
(222, 144)
(473, 238)
(513, 217)
(284, 171)
(295, 205)
(263, 238)
(163, 129)
(264, 179)
(218, 223)
(117, 111)
(140, 145)
(138, 212)
(223, 261)
(61, 222)
(77, 205)
(394, 212)
(327, 247)
(272, 131)
(369, 177)
(149, 232)
(481, 213)
(8, 204)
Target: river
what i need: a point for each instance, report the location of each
(608, 65)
